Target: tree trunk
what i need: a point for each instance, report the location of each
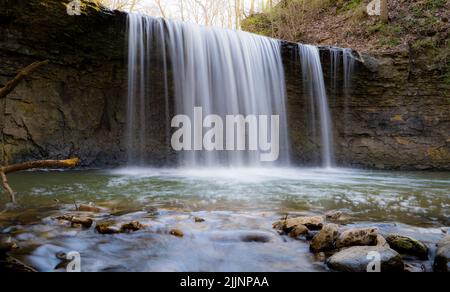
(48, 164)
(384, 11)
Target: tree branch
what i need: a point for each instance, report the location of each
(9, 87)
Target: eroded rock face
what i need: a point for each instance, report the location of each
(359, 258)
(75, 105)
(407, 245)
(357, 236)
(442, 260)
(396, 115)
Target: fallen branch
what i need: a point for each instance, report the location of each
(9, 87)
(41, 164)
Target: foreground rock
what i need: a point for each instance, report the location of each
(6, 247)
(176, 232)
(299, 231)
(107, 228)
(357, 237)
(89, 208)
(13, 265)
(325, 239)
(442, 260)
(407, 245)
(114, 228)
(381, 241)
(199, 220)
(131, 227)
(77, 222)
(359, 259)
(310, 222)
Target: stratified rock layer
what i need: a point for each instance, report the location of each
(395, 116)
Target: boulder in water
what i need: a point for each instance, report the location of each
(77, 222)
(132, 227)
(357, 236)
(442, 260)
(362, 259)
(325, 239)
(176, 232)
(310, 222)
(89, 208)
(407, 245)
(199, 220)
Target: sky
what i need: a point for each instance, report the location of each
(172, 10)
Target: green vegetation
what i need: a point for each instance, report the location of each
(420, 26)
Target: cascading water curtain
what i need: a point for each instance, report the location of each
(222, 71)
(314, 87)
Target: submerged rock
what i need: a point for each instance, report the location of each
(325, 239)
(310, 222)
(337, 217)
(360, 258)
(115, 228)
(442, 260)
(357, 237)
(407, 245)
(10, 264)
(77, 222)
(256, 237)
(89, 208)
(6, 247)
(414, 268)
(107, 228)
(176, 232)
(199, 220)
(132, 227)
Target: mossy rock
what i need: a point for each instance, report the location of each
(407, 245)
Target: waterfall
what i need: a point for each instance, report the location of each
(314, 87)
(224, 72)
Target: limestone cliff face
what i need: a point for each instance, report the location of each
(394, 116)
(75, 105)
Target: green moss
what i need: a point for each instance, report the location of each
(258, 23)
(390, 42)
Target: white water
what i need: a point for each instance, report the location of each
(227, 73)
(222, 71)
(314, 85)
(146, 37)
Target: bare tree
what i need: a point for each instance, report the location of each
(384, 11)
(125, 5)
(161, 7)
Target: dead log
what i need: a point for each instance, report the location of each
(9, 87)
(40, 164)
